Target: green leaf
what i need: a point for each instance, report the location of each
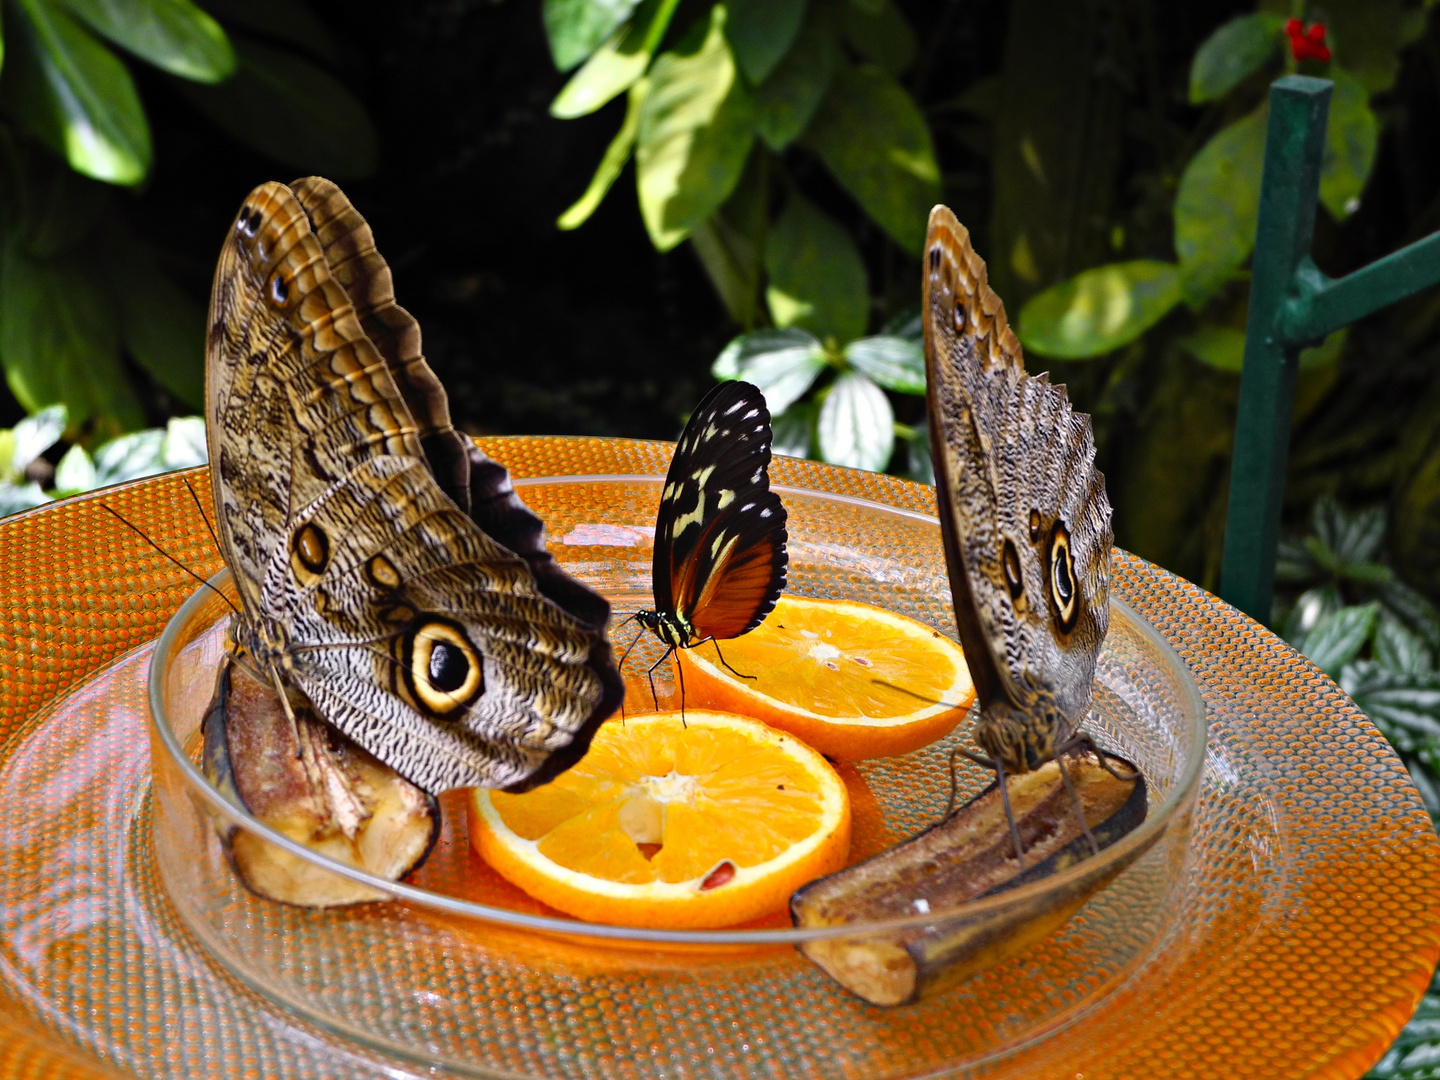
(1413, 609)
(1338, 637)
(795, 429)
(856, 426)
(1098, 311)
(174, 35)
(611, 165)
(1312, 606)
(731, 242)
(58, 207)
(33, 436)
(874, 140)
(761, 33)
(895, 363)
(1327, 352)
(1406, 707)
(76, 96)
(787, 100)
(1351, 138)
(289, 21)
(816, 275)
(917, 444)
(880, 33)
(782, 363)
(287, 108)
(1221, 347)
(1368, 37)
(617, 65)
(1236, 50)
(141, 453)
(76, 472)
(576, 28)
(1399, 649)
(695, 134)
(162, 327)
(17, 497)
(184, 446)
(1352, 538)
(1217, 204)
(60, 340)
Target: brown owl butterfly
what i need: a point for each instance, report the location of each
(1023, 513)
(387, 571)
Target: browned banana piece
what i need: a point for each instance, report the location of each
(968, 855)
(324, 792)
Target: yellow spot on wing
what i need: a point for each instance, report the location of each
(726, 498)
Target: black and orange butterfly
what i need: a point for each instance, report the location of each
(720, 556)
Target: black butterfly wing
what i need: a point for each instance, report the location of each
(720, 534)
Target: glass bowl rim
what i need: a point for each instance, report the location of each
(1182, 791)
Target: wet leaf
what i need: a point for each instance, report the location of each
(1351, 138)
(816, 276)
(617, 65)
(896, 363)
(76, 96)
(174, 35)
(576, 28)
(1217, 204)
(782, 363)
(856, 426)
(787, 100)
(289, 109)
(874, 140)
(761, 33)
(611, 165)
(1236, 50)
(1099, 310)
(1338, 637)
(694, 136)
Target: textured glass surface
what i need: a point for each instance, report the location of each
(1295, 944)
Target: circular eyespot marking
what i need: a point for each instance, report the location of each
(381, 572)
(1061, 577)
(959, 316)
(309, 553)
(1035, 525)
(279, 290)
(935, 258)
(443, 670)
(1010, 562)
(248, 222)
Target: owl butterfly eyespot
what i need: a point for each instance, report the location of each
(720, 558)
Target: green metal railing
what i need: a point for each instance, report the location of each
(1292, 305)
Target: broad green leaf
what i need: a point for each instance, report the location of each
(76, 472)
(60, 341)
(856, 426)
(288, 21)
(731, 243)
(1351, 138)
(1099, 310)
(880, 33)
(141, 453)
(1407, 707)
(908, 324)
(7, 453)
(1339, 637)
(17, 497)
(895, 363)
(695, 134)
(162, 327)
(1221, 347)
(184, 446)
(874, 140)
(174, 35)
(816, 276)
(1236, 50)
(1312, 606)
(1351, 538)
(287, 108)
(1413, 609)
(1399, 649)
(1368, 37)
(787, 100)
(576, 28)
(617, 65)
(921, 466)
(761, 33)
(795, 429)
(611, 165)
(1327, 352)
(782, 363)
(76, 96)
(1217, 204)
(1293, 561)
(58, 207)
(34, 435)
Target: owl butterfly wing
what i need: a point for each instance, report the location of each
(720, 557)
(1023, 510)
(401, 615)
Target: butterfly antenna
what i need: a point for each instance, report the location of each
(737, 674)
(141, 533)
(906, 690)
(1009, 813)
(203, 516)
(629, 648)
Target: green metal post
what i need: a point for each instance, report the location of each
(1289, 189)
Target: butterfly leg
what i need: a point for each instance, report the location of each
(650, 674)
(621, 665)
(1005, 801)
(728, 668)
(1075, 802)
(1082, 739)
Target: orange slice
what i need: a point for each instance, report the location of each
(852, 680)
(708, 822)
